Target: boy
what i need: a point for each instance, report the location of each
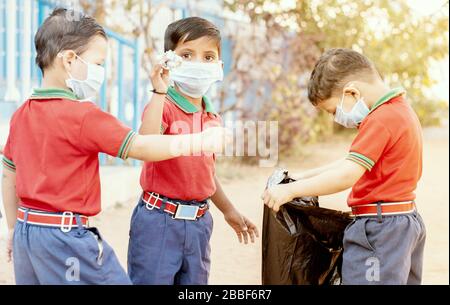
(166, 248)
(385, 243)
(51, 180)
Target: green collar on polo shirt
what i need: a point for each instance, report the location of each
(396, 92)
(53, 93)
(186, 106)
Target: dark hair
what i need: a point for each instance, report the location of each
(64, 30)
(189, 29)
(333, 70)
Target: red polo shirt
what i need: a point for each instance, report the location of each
(188, 177)
(53, 146)
(389, 146)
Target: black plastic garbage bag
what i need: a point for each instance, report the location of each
(302, 243)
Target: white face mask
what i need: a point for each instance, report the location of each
(194, 78)
(353, 118)
(87, 89)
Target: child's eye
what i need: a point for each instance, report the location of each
(210, 58)
(186, 56)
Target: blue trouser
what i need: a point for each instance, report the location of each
(167, 251)
(387, 252)
(48, 256)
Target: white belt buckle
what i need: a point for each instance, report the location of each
(148, 205)
(66, 228)
(186, 212)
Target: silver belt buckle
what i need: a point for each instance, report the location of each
(186, 212)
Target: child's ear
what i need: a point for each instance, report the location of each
(67, 59)
(350, 89)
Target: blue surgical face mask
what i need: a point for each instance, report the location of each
(354, 117)
(89, 88)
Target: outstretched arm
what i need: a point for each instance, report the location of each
(316, 171)
(152, 148)
(332, 181)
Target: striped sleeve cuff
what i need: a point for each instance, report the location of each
(362, 160)
(8, 164)
(126, 145)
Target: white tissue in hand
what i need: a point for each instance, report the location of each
(170, 60)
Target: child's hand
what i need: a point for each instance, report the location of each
(215, 139)
(243, 227)
(276, 196)
(9, 245)
(160, 78)
(170, 60)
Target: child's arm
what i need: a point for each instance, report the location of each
(243, 227)
(11, 203)
(9, 196)
(316, 171)
(153, 148)
(152, 120)
(329, 182)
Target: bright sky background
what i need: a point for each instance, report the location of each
(426, 7)
(440, 70)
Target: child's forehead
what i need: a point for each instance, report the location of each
(98, 39)
(202, 44)
(97, 49)
(98, 43)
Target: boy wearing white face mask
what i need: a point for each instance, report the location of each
(51, 183)
(171, 226)
(88, 88)
(385, 242)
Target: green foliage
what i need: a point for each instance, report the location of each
(401, 44)
(299, 122)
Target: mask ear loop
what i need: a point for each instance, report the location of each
(60, 55)
(82, 60)
(343, 97)
(342, 102)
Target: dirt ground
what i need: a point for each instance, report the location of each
(233, 263)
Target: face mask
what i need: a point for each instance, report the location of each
(194, 79)
(353, 118)
(90, 87)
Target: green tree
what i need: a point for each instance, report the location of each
(401, 44)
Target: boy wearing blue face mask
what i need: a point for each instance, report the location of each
(171, 226)
(51, 183)
(385, 242)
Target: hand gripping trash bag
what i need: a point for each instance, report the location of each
(302, 243)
